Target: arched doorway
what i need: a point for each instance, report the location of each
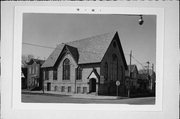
(92, 85)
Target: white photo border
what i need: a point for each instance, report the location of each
(17, 51)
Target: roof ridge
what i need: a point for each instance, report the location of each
(87, 38)
(84, 51)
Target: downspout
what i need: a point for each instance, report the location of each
(75, 80)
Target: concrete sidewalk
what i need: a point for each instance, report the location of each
(87, 96)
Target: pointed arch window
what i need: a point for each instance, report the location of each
(115, 67)
(66, 69)
(78, 73)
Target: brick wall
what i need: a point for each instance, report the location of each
(109, 83)
(75, 86)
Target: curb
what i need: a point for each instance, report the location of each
(41, 93)
(75, 96)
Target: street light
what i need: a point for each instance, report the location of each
(141, 21)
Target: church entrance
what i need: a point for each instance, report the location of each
(92, 85)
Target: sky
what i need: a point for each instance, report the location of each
(52, 29)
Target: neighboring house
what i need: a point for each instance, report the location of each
(24, 77)
(150, 77)
(34, 74)
(143, 81)
(91, 65)
(133, 72)
(152, 81)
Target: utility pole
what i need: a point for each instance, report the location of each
(129, 75)
(43, 71)
(148, 75)
(152, 78)
(148, 67)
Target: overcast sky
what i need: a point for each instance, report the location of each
(52, 29)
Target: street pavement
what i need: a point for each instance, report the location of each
(44, 98)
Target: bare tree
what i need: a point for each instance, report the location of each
(26, 58)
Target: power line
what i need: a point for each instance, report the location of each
(138, 62)
(144, 67)
(36, 45)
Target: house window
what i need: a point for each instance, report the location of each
(55, 75)
(78, 89)
(63, 89)
(66, 69)
(37, 69)
(106, 71)
(84, 89)
(46, 75)
(69, 89)
(78, 73)
(29, 70)
(33, 70)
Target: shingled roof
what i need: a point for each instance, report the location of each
(90, 50)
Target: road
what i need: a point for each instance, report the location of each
(67, 99)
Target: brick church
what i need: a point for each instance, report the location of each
(87, 66)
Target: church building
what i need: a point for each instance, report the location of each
(87, 66)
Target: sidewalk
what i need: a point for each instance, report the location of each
(87, 96)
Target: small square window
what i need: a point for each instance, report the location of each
(84, 89)
(78, 89)
(63, 89)
(56, 88)
(69, 89)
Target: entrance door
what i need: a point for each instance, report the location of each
(92, 85)
(48, 86)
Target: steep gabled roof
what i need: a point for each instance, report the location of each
(90, 50)
(95, 72)
(133, 67)
(74, 52)
(51, 60)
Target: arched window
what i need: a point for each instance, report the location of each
(66, 69)
(114, 67)
(78, 73)
(106, 71)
